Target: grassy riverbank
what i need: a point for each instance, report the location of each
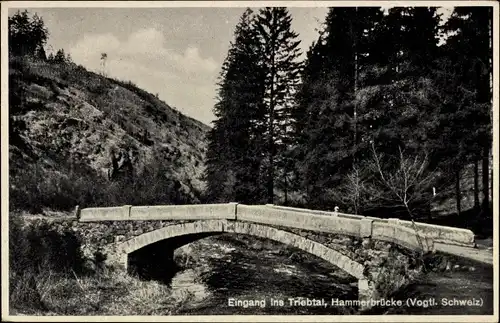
(49, 293)
(50, 276)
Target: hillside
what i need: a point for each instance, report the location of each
(69, 125)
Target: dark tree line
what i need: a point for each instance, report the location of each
(28, 36)
(379, 115)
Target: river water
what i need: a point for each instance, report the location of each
(238, 274)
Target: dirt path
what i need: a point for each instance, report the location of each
(483, 253)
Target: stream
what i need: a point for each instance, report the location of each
(241, 275)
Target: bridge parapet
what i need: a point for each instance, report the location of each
(362, 227)
(294, 219)
(394, 230)
(160, 213)
(439, 233)
(402, 236)
(327, 213)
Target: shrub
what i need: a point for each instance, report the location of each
(43, 246)
(35, 187)
(38, 254)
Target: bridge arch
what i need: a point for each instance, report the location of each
(200, 229)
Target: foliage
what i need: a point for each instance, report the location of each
(280, 52)
(34, 251)
(27, 35)
(329, 132)
(234, 151)
(254, 108)
(407, 93)
(60, 57)
(369, 78)
(307, 129)
(469, 53)
(37, 187)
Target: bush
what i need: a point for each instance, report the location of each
(43, 245)
(35, 187)
(38, 254)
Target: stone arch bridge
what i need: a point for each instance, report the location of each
(129, 235)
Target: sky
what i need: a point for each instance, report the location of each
(176, 53)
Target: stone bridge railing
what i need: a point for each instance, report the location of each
(438, 233)
(400, 232)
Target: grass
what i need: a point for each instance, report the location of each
(48, 276)
(50, 293)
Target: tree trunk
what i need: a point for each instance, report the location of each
(476, 185)
(491, 183)
(355, 34)
(270, 184)
(485, 93)
(286, 190)
(458, 195)
(485, 178)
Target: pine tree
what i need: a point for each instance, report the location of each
(469, 49)
(329, 134)
(280, 58)
(234, 153)
(312, 68)
(40, 53)
(26, 34)
(397, 94)
(453, 143)
(396, 81)
(414, 35)
(60, 56)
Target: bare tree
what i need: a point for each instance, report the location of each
(408, 185)
(353, 192)
(104, 57)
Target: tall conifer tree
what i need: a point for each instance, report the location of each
(329, 134)
(235, 142)
(280, 59)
